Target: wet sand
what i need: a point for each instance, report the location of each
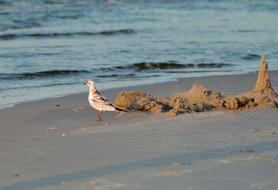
(58, 144)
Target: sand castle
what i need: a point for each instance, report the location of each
(200, 98)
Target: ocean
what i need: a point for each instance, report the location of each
(48, 48)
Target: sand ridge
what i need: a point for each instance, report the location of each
(200, 98)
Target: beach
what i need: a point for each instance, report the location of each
(58, 144)
(202, 113)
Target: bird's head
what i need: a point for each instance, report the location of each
(89, 83)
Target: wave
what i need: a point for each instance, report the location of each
(4, 13)
(127, 76)
(247, 31)
(251, 57)
(117, 75)
(18, 23)
(174, 65)
(128, 71)
(13, 36)
(160, 65)
(212, 65)
(41, 74)
(53, 2)
(6, 3)
(27, 54)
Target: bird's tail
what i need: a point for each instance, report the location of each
(119, 109)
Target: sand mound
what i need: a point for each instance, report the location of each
(200, 98)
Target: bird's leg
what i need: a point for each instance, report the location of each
(100, 116)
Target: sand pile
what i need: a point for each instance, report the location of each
(200, 98)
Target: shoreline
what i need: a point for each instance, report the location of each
(136, 87)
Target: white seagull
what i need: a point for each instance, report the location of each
(98, 101)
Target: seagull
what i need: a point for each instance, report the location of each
(98, 101)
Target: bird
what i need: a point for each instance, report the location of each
(98, 101)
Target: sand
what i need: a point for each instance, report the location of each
(58, 144)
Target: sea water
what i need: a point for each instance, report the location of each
(48, 48)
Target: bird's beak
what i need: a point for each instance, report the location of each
(84, 83)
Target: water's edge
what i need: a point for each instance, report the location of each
(121, 88)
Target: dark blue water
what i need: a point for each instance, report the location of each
(49, 47)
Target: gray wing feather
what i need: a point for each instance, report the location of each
(100, 99)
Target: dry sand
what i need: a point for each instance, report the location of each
(58, 144)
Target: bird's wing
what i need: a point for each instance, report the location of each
(98, 97)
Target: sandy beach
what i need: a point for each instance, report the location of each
(58, 144)
(199, 80)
